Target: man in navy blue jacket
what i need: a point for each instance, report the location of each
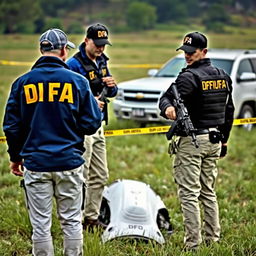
(48, 112)
(91, 62)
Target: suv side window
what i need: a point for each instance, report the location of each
(254, 64)
(244, 66)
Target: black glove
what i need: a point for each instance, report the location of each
(223, 151)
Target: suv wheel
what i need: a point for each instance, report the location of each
(247, 112)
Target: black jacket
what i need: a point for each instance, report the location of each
(207, 94)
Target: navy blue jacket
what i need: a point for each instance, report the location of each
(101, 68)
(48, 112)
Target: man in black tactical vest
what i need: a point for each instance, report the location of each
(207, 94)
(91, 62)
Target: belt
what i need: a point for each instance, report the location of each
(198, 132)
(204, 131)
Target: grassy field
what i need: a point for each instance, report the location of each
(140, 157)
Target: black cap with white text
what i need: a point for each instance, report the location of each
(99, 34)
(193, 41)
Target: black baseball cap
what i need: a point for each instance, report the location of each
(54, 38)
(99, 34)
(193, 41)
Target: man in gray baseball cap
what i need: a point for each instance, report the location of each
(51, 108)
(53, 39)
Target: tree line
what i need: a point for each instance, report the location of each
(34, 16)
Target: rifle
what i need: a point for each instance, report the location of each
(183, 122)
(103, 95)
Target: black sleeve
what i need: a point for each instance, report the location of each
(165, 102)
(229, 116)
(186, 85)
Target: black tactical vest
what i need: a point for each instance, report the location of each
(213, 95)
(93, 74)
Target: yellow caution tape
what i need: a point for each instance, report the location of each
(2, 139)
(147, 66)
(15, 63)
(135, 66)
(134, 131)
(156, 129)
(244, 121)
(163, 129)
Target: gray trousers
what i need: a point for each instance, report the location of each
(95, 172)
(66, 187)
(195, 172)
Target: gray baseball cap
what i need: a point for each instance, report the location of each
(54, 38)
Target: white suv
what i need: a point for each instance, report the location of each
(138, 99)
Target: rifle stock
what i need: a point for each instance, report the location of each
(171, 131)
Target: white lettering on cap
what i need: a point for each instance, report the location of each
(187, 40)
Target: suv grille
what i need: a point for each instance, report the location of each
(141, 96)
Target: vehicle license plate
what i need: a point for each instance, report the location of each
(138, 112)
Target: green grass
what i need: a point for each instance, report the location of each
(133, 157)
(140, 157)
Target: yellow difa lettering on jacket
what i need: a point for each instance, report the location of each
(214, 84)
(104, 72)
(35, 93)
(92, 75)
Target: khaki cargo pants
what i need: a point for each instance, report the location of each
(195, 173)
(95, 173)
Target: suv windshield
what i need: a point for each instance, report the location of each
(172, 68)
(224, 64)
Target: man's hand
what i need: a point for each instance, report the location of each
(170, 113)
(109, 81)
(16, 168)
(100, 103)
